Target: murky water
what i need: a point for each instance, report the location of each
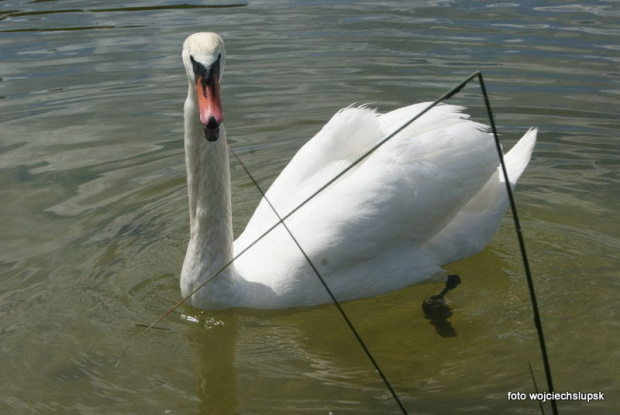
(94, 212)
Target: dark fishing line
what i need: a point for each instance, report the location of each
(542, 409)
(519, 231)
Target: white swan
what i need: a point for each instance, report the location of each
(431, 195)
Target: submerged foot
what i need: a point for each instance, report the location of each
(437, 311)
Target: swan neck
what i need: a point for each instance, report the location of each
(210, 213)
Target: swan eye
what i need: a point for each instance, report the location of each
(199, 68)
(206, 73)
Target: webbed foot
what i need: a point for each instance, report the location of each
(437, 311)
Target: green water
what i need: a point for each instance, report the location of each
(93, 219)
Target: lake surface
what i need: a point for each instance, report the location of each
(94, 220)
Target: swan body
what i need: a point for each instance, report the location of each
(432, 195)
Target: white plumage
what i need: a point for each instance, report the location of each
(431, 195)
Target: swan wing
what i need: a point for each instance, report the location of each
(442, 146)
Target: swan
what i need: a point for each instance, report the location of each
(432, 195)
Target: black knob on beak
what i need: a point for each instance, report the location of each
(212, 124)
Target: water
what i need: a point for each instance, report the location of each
(94, 212)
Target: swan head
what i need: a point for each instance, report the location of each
(203, 57)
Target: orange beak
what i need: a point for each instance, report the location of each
(210, 107)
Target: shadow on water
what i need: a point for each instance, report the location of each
(19, 13)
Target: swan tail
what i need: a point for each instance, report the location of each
(473, 227)
(519, 156)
